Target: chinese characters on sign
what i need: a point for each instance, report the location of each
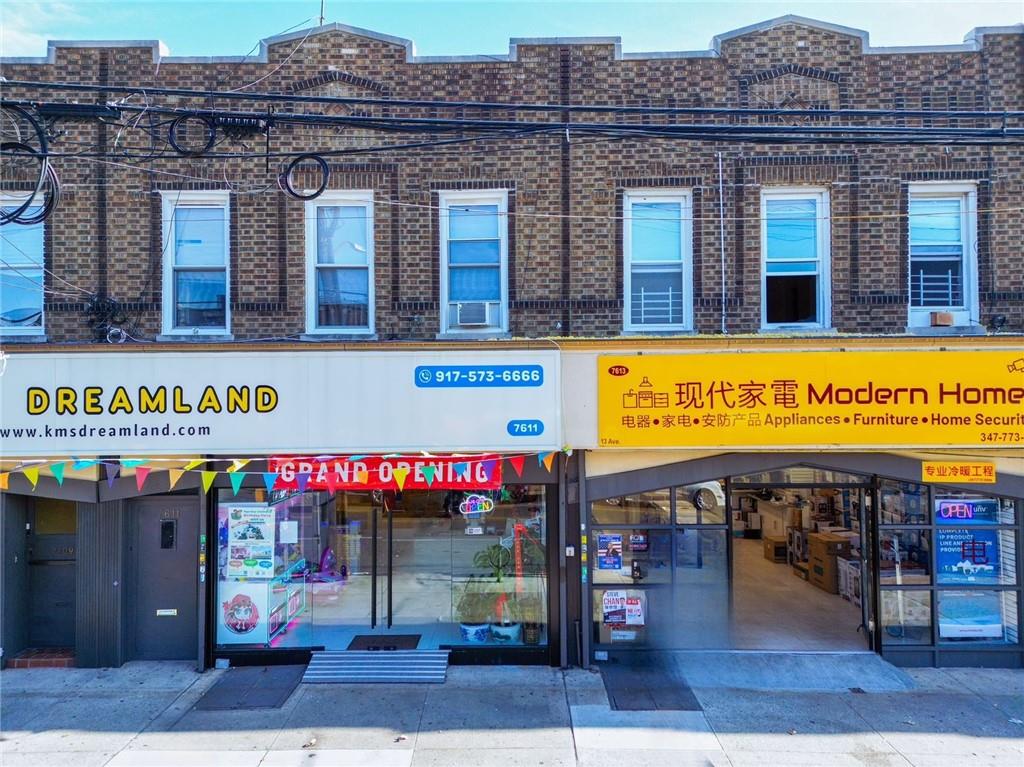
(964, 399)
(973, 472)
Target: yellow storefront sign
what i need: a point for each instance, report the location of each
(812, 399)
(963, 472)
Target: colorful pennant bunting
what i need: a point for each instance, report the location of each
(460, 468)
(131, 463)
(173, 475)
(194, 463)
(80, 463)
(301, 480)
(549, 459)
(488, 467)
(208, 477)
(32, 473)
(428, 474)
(237, 478)
(58, 472)
(331, 480)
(400, 475)
(362, 477)
(269, 480)
(517, 464)
(237, 464)
(5, 480)
(112, 469)
(140, 477)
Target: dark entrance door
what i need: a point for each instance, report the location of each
(51, 574)
(166, 565)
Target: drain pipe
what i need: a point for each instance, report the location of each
(721, 235)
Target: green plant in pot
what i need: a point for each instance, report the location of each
(474, 609)
(530, 611)
(495, 558)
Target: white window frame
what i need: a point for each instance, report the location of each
(497, 197)
(173, 199)
(329, 199)
(685, 198)
(8, 200)
(967, 193)
(824, 248)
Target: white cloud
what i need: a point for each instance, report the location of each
(26, 27)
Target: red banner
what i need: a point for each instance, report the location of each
(372, 472)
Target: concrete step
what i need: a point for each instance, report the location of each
(377, 667)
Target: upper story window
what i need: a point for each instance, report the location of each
(21, 273)
(943, 244)
(795, 239)
(658, 251)
(339, 263)
(474, 261)
(196, 298)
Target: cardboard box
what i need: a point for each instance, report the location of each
(800, 570)
(774, 548)
(823, 573)
(827, 545)
(942, 319)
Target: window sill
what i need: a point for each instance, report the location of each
(335, 337)
(18, 338)
(194, 338)
(474, 335)
(791, 330)
(946, 330)
(663, 332)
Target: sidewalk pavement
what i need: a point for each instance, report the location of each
(142, 715)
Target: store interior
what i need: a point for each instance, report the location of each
(798, 580)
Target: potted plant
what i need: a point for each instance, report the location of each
(474, 612)
(530, 610)
(495, 558)
(507, 629)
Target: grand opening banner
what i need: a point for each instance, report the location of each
(812, 399)
(280, 402)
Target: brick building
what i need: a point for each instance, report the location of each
(657, 347)
(561, 266)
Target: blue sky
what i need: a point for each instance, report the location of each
(233, 27)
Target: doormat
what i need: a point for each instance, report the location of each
(248, 687)
(386, 642)
(640, 685)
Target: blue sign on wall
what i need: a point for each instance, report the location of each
(968, 556)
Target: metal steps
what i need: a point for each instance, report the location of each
(377, 667)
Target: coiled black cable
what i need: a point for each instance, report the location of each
(7, 217)
(284, 181)
(174, 139)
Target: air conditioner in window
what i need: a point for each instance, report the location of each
(473, 314)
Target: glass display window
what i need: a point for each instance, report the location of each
(904, 557)
(906, 617)
(978, 615)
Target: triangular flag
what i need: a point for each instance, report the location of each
(362, 477)
(301, 480)
(32, 472)
(5, 480)
(460, 468)
(173, 475)
(428, 474)
(131, 463)
(331, 480)
(270, 479)
(237, 464)
(489, 467)
(208, 477)
(58, 472)
(113, 470)
(193, 463)
(237, 478)
(140, 477)
(400, 475)
(356, 457)
(517, 464)
(541, 458)
(548, 460)
(81, 463)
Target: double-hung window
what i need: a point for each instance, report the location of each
(339, 263)
(21, 273)
(658, 274)
(795, 273)
(943, 239)
(474, 261)
(196, 263)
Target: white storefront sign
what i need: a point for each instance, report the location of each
(238, 403)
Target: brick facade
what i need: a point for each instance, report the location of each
(565, 199)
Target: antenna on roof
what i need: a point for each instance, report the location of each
(322, 12)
